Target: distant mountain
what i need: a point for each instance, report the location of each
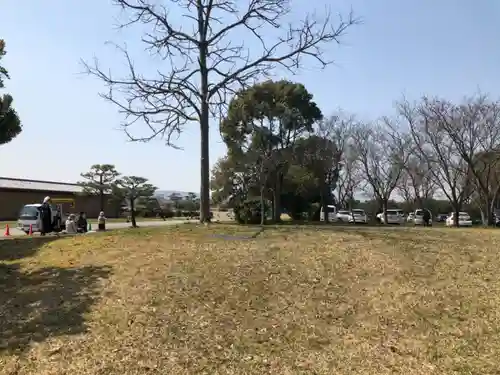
(165, 194)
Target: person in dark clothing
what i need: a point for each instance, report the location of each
(45, 216)
(426, 218)
(81, 223)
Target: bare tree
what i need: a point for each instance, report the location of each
(474, 128)
(381, 151)
(434, 145)
(416, 184)
(205, 63)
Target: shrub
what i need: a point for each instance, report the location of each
(178, 213)
(249, 211)
(168, 214)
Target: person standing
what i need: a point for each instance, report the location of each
(427, 218)
(101, 221)
(45, 216)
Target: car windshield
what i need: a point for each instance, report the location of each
(344, 212)
(463, 214)
(358, 212)
(394, 212)
(28, 212)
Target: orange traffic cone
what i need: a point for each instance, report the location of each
(7, 230)
(30, 233)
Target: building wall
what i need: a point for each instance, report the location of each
(11, 202)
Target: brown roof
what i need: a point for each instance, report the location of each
(50, 186)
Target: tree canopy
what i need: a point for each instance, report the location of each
(99, 180)
(133, 188)
(10, 124)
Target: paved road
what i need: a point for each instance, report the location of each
(14, 232)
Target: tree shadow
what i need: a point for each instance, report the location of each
(19, 248)
(45, 302)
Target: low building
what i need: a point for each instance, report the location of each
(15, 193)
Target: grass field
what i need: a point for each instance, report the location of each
(294, 300)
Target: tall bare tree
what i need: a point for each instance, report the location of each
(382, 151)
(336, 132)
(416, 184)
(208, 55)
(474, 128)
(438, 149)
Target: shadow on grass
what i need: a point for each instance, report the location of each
(45, 302)
(19, 248)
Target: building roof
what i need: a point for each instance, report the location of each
(49, 186)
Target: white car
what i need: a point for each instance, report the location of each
(464, 220)
(358, 216)
(332, 214)
(343, 215)
(418, 218)
(393, 217)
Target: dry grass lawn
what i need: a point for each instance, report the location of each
(291, 301)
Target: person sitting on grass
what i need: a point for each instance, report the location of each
(71, 227)
(81, 223)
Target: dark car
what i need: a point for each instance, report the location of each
(441, 218)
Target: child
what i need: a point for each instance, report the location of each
(101, 221)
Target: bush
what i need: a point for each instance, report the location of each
(249, 211)
(168, 214)
(178, 213)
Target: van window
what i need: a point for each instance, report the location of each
(330, 209)
(29, 213)
(394, 212)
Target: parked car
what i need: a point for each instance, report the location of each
(332, 214)
(343, 215)
(358, 216)
(441, 218)
(496, 217)
(464, 220)
(394, 216)
(419, 217)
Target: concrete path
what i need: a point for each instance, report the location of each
(14, 232)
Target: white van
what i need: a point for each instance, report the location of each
(332, 214)
(30, 216)
(419, 217)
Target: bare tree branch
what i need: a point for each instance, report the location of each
(209, 55)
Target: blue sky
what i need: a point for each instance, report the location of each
(414, 47)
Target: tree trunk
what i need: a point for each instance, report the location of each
(132, 213)
(277, 199)
(101, 193)
(456, 207)
(492, 204)
(204, 122)
(324, 205)
(384, 210)
(262, 207)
